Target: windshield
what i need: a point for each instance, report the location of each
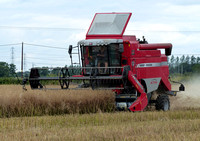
(102, 56)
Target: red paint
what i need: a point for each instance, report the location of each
(77, 75)
(140, 104)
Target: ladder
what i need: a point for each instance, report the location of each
(75, 53)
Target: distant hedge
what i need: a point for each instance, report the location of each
(8, 80)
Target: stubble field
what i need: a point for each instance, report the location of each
(90, 115)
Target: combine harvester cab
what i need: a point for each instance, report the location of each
(134, 69)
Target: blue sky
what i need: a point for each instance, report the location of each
(60, 23)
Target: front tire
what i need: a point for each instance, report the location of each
(163, 103)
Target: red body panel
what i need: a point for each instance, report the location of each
(142, 100)
(151, 56)
(155, 46)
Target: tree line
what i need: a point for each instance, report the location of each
(9, 70)
(184, 64)
(177, 65)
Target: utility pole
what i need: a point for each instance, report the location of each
(22, 60)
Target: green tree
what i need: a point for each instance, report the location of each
(12, 69)
(182, 59)
(55, 71)
(177, 65)
(172, 60)
(171, 64)
(198, 60)
(193, 60)
(196, 68)
(187, 64)
(44, 71)
(4, 69)
(187, 59)
(177, 61)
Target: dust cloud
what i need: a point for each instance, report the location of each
(190, 98)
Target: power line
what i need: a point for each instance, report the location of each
(4, 56)
(60, 60)
(41, 28)
(51, 54)
(71, 28)
(47, 58)
(197, 31)
(35, 63)
(11, 44)
(45, 46)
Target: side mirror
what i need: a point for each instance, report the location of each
(182, 87)
(121, 48)
(70, 49)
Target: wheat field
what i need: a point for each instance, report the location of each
(90, 115)
(14, 101)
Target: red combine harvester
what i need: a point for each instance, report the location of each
(134, 69)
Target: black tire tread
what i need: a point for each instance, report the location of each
(160, 102)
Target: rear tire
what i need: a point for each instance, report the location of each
(163, 103)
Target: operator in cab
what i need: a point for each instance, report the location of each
(103, 58)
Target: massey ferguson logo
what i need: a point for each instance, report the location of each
(154, 81)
